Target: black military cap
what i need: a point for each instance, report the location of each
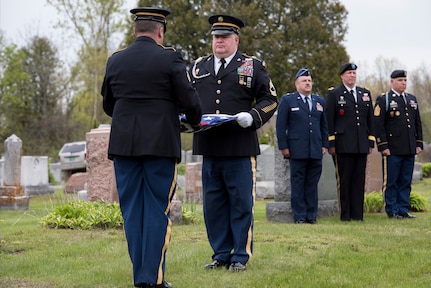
(150, 14)
(398, 74)
(302, 72)
(348, 66)
(225, 24)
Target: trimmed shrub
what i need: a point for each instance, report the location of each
(426, 169)
(373, 202)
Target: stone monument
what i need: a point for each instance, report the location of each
(34, 175)
(101, 183)
(12, 194)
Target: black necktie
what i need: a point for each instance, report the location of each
(351, 92)
(307, 102)
(221, 66)
(404, 98)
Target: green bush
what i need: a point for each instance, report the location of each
(84, 215)
(181, 169)
(426, 169)
(267, 138)
(373, 202)
(189, 215)
(418, 203)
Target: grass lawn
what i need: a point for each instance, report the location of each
(379, 252)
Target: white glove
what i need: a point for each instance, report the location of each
(244, 119)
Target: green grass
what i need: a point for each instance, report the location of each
(379, 252)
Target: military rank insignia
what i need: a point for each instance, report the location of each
(377, 111)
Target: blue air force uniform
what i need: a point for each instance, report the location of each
(229, 150)
(399, 129)
(144, 88)
(304, 132)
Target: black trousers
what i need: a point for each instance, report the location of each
(350, 172)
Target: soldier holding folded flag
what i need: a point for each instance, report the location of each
(230, 82)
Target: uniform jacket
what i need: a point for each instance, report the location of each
(350, 123)
(144, 89)
(304, 132)
(398, 125)
(244, 86)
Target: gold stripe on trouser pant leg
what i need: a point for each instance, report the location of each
(250, 230)
(168, 228)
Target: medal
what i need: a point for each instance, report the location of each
(341, 112)
(397, 113)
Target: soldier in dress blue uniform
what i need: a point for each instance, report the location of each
(399, 139)
(230, 82)
(302, 135)
(145, 87)
(351, 139)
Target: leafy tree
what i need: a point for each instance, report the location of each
(32, 89)
(286, 34)
(96, 24)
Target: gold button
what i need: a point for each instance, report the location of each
(408, 126)
(219, 82)
(217, 111)
(408, 120)
(218, 92)
(359, 124)
(217, 101)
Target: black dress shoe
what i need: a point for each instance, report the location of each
(311, 221)
(299, 222)
(216, 264)
(237, 267)
(165, 284)
(407, 215)
(393, 216)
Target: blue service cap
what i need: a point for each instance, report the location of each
(302, 72)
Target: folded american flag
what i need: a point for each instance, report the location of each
(207, 121)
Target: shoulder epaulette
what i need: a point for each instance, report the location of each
(331, 88)
(118, 50)
(252, 57)
(202, 58)
(167, 48)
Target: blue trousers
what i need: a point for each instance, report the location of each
(397, 180)
(145, 188)
(304, 177)
(228, 199)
